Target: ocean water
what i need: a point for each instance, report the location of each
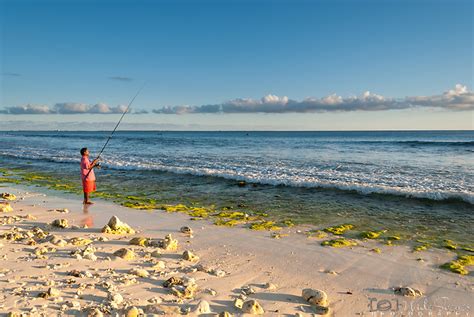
(408, 179)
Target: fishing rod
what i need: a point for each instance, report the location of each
(116, 126)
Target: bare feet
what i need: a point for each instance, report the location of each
(88, 202)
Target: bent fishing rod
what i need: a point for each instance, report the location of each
(116, 126)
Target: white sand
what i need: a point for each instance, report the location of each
(362, 282)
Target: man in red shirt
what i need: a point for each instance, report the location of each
(87, 174)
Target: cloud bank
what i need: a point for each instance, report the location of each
(65, 108)
(11, 74)
(121, 78)
(457, 99)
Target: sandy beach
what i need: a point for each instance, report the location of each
(233, 263)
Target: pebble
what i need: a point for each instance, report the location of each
(315, 297)
(115, 298)
(252, 307)
(60, 223)
(189, 256)
(407, 291)
(125, 254)
(269, 286)
(139, 272)
(202, 308)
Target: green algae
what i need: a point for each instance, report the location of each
(288, 223)
(232, 215)
(371, 234)
(449, 244)
(9, 180)
(421, 247)
(264, 225)
(276, 235)
(227, 222)
(459, 265)
(138, 205)
(317, 234)
(339, 230)
(199, 212)
(175, 208)
(339, 243)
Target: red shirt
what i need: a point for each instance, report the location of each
(85, 165)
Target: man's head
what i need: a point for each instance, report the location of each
(84, 151)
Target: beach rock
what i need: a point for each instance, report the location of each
(252, 307)
(78, 241)
(225, 314)
(239, 303)
(156, 254)
(407, 291)
(139, 272)
(140, 241)
(269, 286)
(211, 291)
(56, 240)
(174, 280)
(5, 207)
(299, 315)
(181, 287)
(169, 244)
(116, 226)
(74, 305)
(95, 312)
(315, 297)
(160, 265)
(51, 292)
(7, 196)
(202, 308)
(87, 253)
(125, 254)
(133, 312)
(186, 230)
(115, 298)
(189, 256)
(60, 223)
(184, 292)
(62, 211)
(247, 290)
(40, 251)
(217, 272)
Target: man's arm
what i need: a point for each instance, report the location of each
(94, 164)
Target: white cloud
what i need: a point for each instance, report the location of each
(457, 99)
(28, 109)
(71, 108)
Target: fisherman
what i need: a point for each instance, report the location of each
(87, 175)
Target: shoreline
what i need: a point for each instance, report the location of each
(426, 230)
(356, 280)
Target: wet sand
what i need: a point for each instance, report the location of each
(232, 262)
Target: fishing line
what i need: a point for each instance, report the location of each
(116, 126)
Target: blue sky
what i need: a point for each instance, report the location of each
(198, 53)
